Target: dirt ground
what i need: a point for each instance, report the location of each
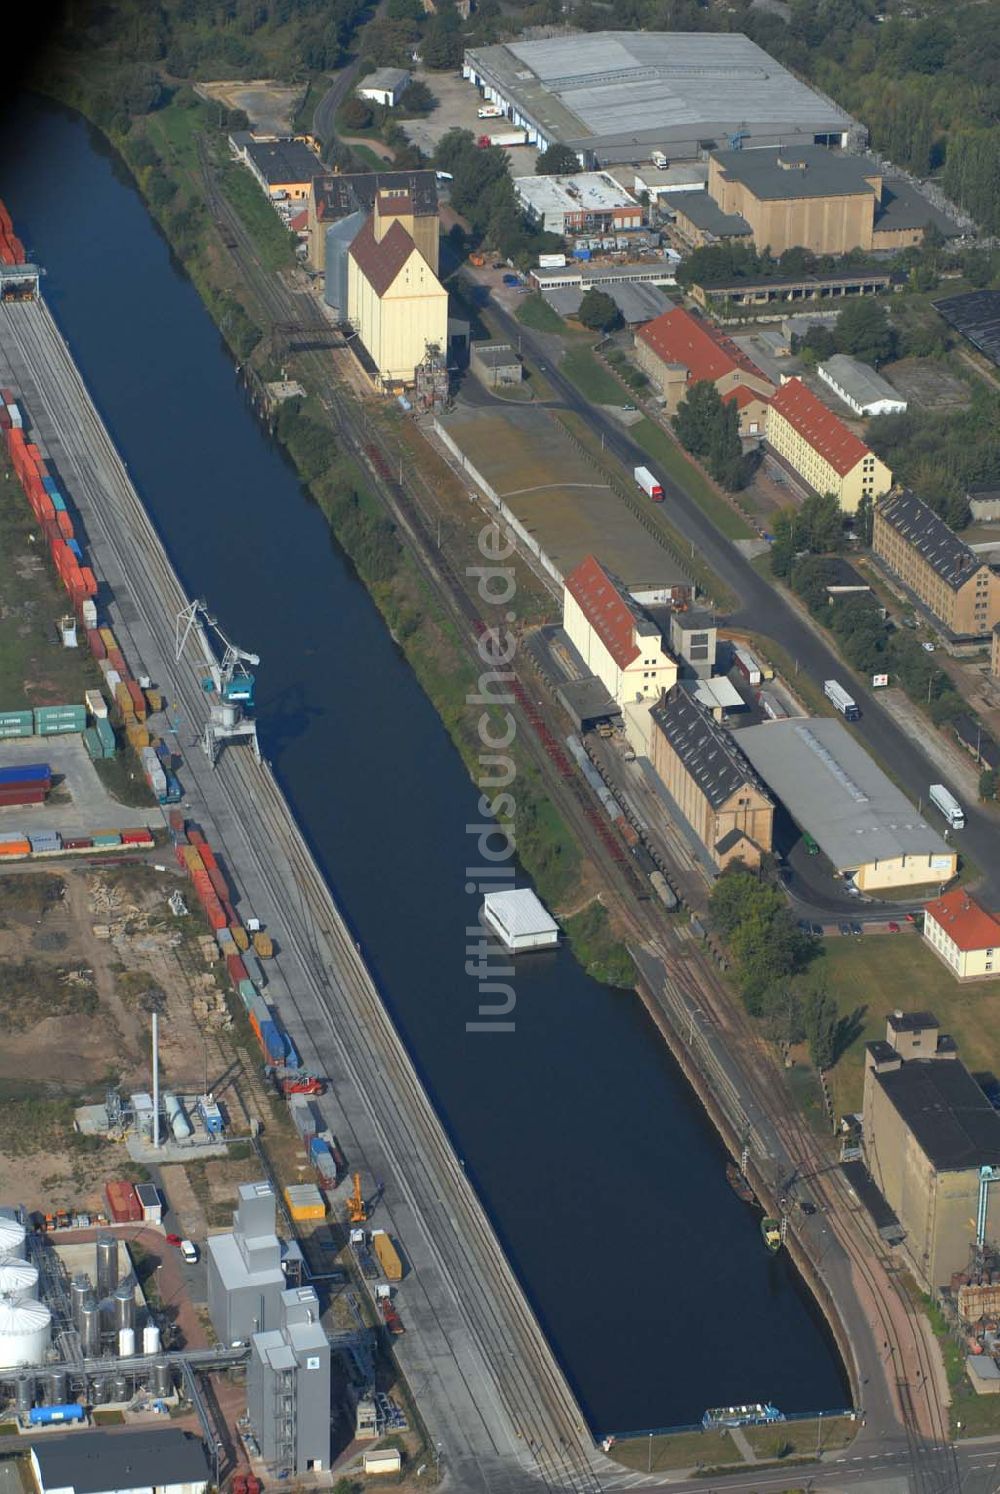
(82, 949)
(270, 106)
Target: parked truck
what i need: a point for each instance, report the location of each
(649, 484)
(503, 137)
(388, 1255)
(843, 702)
(363, 1255)
(949, 806)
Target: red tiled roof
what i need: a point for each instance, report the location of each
(380, 261)
(606, 609)
(741, 396)
(965, 921)
(680, 337)
(820, 426)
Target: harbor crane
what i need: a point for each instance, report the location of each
(229, 683)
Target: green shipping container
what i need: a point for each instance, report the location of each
(17, 723)
(106, 734)
(92, 742)
(50, 720)
(111, 839)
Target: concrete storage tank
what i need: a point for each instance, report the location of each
(18, 1281)
(25, 1333)
(126, 1343)
(150, 1339)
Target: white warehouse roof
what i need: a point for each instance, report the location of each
(865, 389)
(517, 916)
(584, 191)
(614, 92)
(833, 789)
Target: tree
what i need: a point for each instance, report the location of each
(598, 311)
(356, 114)
(442, 47)
(709, 427)
(417, 99)
(558, 160)
(821, 1021)
(863, 330)
(988, 784)
(864, 519)
(820, 525)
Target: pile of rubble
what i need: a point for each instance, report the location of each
(209, 1003)
(126, 923)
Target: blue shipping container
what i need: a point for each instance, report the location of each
(581, 253)
(292, 1059)
(74, 549)
(58, 502)
(27, 773)
(173, 794)
(272, 1041)
(49, 484)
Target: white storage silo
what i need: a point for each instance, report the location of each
(12, 1237)
(18, 1280)
(151, 1339)
(25, 1333)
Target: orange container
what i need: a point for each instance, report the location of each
(15, 848)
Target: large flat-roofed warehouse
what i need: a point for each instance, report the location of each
(840, 796)
(928, 1130)
(615, 96)
(556, 501)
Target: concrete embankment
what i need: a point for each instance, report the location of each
(487, 1385)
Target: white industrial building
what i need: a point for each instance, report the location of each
(616, 96)
(386, 85)
(839, 795)
(615, 638)
(586, 202)
(519, 920)
(862, 389)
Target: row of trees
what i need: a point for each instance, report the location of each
(773, 958)
(482, 190)
(709, 428)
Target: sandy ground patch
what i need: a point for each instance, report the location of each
(270, 107)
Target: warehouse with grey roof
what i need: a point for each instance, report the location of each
(615, 96)
(838, 794)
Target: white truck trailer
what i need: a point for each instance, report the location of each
(949, 806)
(650, 485)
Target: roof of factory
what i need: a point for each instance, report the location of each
(678, 336)
(931, 537)
(798, 171)
(862, 383)
(947, 1112)
(964, 920)
(633, 87)
(581, 192)
(709, 753)
(705, 213)
(97, 1461)
(611, 612)
(284, 161)
(838, 793)
(826, 432)
(381, 260)
(337, 196)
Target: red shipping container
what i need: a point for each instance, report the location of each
(65, 523)
(197, 838)
(4, 419)
(118, 661)
(237, 969)
(138, 700)
(208, 855)
(137, 837)
(219, 884)
(35, 794)
(77, 843)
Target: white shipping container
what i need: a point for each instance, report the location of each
(88, 611)
(15, 417)
(96, 704)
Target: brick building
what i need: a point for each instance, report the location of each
(952, 581)
(821, 449)
(679, 349)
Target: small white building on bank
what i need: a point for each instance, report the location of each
(519, 920)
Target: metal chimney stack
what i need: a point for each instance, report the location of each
(156, 1078)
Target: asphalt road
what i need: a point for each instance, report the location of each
(764, 610)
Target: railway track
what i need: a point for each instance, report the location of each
(546, 1440)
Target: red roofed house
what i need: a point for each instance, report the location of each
(679, 349)
(819, 447)
(394, 298)
(616, 640)
(964, 935)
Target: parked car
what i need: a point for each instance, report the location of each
(817, 929)
(807, 1206)
(175, 1240)
(894, 928)
(857, 930)
(910, 917)
(189, 1251)
(845, 929)
(928, 648)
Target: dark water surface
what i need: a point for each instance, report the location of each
(598, 1167)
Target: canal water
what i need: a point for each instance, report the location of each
(598, 1167)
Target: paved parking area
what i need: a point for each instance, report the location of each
(458, 105)
(81, 803)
